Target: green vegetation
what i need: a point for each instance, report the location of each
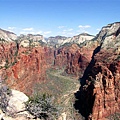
(118, 58)
(42, 106)
(9, 62)
(5, 93)
(56, 83)
(66, 45)
(63, 89)
(2, 40)
(115, 116)
(42, 43)
(6, 64)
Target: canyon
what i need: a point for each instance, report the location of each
(94, 61)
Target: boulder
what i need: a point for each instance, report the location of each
(16, 102)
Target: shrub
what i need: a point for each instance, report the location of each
(5, 93)
(118, 58)
(6, 64)
(41, 106)
(115, 116)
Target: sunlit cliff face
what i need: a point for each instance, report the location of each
(96, 63)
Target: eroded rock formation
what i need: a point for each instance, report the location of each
(99, 94)
(73, 58)
(96, 62)
(27, 67)
(6, 35)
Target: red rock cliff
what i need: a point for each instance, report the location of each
(99, 94)
(27, 68)
(73, 58)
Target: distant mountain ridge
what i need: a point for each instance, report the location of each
(57, 40)
(80, 38)
(107, 32)
(7, 35)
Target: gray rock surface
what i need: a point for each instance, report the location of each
(16, 102)
(6, 35)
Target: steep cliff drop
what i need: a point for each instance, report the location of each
(73, 58)
(23, 70)
(99, 93)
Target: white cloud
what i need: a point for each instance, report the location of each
(34, 32)
(28, 29)
(66, 33)
(31, 32)
(47, 32)
(11, 28)
(24, 32)
(70, 33)
(98, 29)
(86, 32)
(84, 26)
(82, 31)
(39, 32)
(64, 30)
(70, 29)
(60, 27)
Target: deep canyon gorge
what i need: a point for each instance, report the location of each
(94, 64)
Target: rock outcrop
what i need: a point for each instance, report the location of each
(57, 40)
(16, 102)
(31, 40)
(16, 109)
(73, 58)
(23, 69)
(99, 94)
(61, 40)
(78, 39)
(8, 36)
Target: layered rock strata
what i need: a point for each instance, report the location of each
(73, 59)
(24, 68)
(99, 94)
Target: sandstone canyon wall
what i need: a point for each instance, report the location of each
(25, 67)
(73, 59)
(22, 67)
(99, 94)
(95, 62)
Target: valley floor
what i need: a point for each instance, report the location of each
(63, 87)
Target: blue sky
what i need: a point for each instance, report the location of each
(57, 17)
